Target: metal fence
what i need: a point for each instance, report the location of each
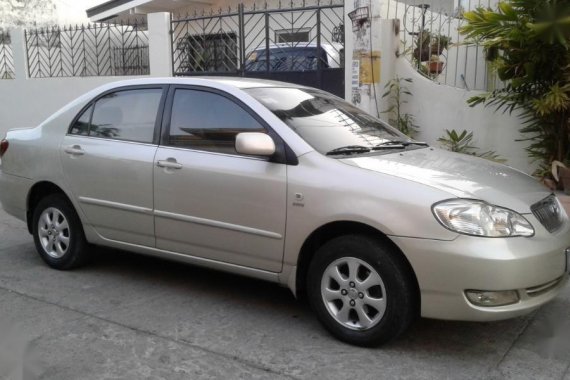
(431, 41)
(6, 56)
(301, 44)
(88, 50)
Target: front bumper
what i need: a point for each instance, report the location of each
(535, 267)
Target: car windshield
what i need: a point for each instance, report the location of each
(329, 124)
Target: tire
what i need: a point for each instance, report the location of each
(361, 290)
(58, 233)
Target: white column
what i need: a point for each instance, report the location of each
(348, 46)
(19, 53)
(370, 50)
(160, 44)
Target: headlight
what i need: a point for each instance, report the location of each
(472, 217)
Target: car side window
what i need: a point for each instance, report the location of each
(81, 125)
(123, 115)
(208, 121)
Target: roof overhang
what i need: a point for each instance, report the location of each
(124, 10)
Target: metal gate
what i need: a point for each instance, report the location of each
(303, 45)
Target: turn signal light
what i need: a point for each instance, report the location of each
(3, 147)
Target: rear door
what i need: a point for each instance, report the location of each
(107, 158)
(211, 201)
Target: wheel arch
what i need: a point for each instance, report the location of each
(37, 192)
(332, 230)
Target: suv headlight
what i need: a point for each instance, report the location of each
(478, 218)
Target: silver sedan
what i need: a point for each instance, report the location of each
(292, 185)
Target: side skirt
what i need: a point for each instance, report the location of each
(193, 260)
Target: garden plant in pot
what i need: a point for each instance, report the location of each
(435, 65)
(429, 44)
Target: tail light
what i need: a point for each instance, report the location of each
(3, 147)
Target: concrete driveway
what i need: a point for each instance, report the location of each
(131, 317)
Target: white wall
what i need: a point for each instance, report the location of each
(438, 107)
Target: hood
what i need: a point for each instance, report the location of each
(460, 175)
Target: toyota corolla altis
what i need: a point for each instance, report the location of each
(293, 185)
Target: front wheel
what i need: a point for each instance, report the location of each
(361, 290)
(58, 233)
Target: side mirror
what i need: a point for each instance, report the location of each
(255, 143)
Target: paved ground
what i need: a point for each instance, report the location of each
(131, 317)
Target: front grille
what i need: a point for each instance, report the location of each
(549, 213)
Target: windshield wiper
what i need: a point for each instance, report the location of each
(349, 149)
(393, 144)
(398, 144)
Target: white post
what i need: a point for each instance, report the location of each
(19, 53)
(364, 55)
(160, 45)
(370, 50)
(348, 47)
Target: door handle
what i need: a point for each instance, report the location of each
(74, 150)
(169, 163)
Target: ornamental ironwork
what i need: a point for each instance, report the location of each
(88, 50)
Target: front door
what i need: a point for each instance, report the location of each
(211, 201)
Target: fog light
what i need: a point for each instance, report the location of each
(490, 298)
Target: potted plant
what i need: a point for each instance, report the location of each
(435, 65)
(428, 44)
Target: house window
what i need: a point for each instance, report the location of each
(209, 52)
(293, 35)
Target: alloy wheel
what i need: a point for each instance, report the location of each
(353, 293)
(53, 232)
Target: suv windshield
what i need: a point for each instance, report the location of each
(329, 124)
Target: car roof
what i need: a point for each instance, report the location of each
(237, 82)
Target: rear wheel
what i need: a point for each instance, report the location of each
(361, 290)
(58, 234)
